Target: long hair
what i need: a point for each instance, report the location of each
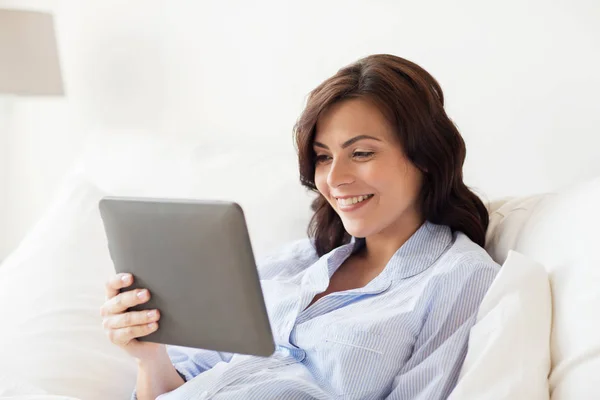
(413, 102)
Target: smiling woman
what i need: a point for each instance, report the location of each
(379, 300)
(380, 124)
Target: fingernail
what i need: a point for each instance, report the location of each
(125, 278)
(152, 325)
(151, 314)
(141, 294)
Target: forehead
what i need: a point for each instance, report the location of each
(350, 118)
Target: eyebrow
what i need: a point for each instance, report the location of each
(348, 142)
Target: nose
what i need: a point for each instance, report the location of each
(339, 174)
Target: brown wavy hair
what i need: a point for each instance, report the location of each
(413, 102)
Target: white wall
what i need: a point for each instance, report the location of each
(520, 79)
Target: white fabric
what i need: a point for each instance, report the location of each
(508, 356)
(51, 290)
(264, 182)
(12, 386)
(506, 223)
(561, 232)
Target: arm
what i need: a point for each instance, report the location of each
(173, 368)
(432, 371)
(156, 377)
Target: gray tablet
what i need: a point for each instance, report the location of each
(196, 260)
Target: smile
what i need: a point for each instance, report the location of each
(350, 201)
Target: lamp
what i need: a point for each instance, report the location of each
(28, 54)
(29, 66)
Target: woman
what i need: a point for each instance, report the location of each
(379, 301)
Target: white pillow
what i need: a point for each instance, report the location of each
(261, 176)
(51, 289)
(509, 346)
(506, 224)
(560, 231)
(12, 386)
(562, 234)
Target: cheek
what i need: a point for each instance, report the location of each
(378, 179)
(411, 186)
(321, 183)
(402, 183)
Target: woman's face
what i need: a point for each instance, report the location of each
(362, 171)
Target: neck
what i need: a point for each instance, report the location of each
(380, 248)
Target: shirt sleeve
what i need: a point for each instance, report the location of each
(440, 349)
(190, 362)
(289, 260)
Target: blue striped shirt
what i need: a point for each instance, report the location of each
(402, 336)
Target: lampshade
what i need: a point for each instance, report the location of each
(29, 62)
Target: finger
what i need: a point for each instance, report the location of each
(123, 336)
(131, 319)
(125, 300)
(117, 282)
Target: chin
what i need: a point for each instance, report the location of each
(359, 230)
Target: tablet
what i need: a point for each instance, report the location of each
(196, 259)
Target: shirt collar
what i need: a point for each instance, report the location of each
(417, 254)
(421, 250)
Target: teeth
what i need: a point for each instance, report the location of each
(351, 200)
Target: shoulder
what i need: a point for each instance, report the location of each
(464, 256)
(289, 260)
(464, 268)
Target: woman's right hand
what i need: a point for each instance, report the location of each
(122, 327)
(156, 373)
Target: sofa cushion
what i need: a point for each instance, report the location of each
(508, 355)
(561, 232)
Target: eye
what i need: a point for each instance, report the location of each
(362, 154)
(322, 158)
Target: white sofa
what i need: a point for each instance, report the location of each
(51, 287)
